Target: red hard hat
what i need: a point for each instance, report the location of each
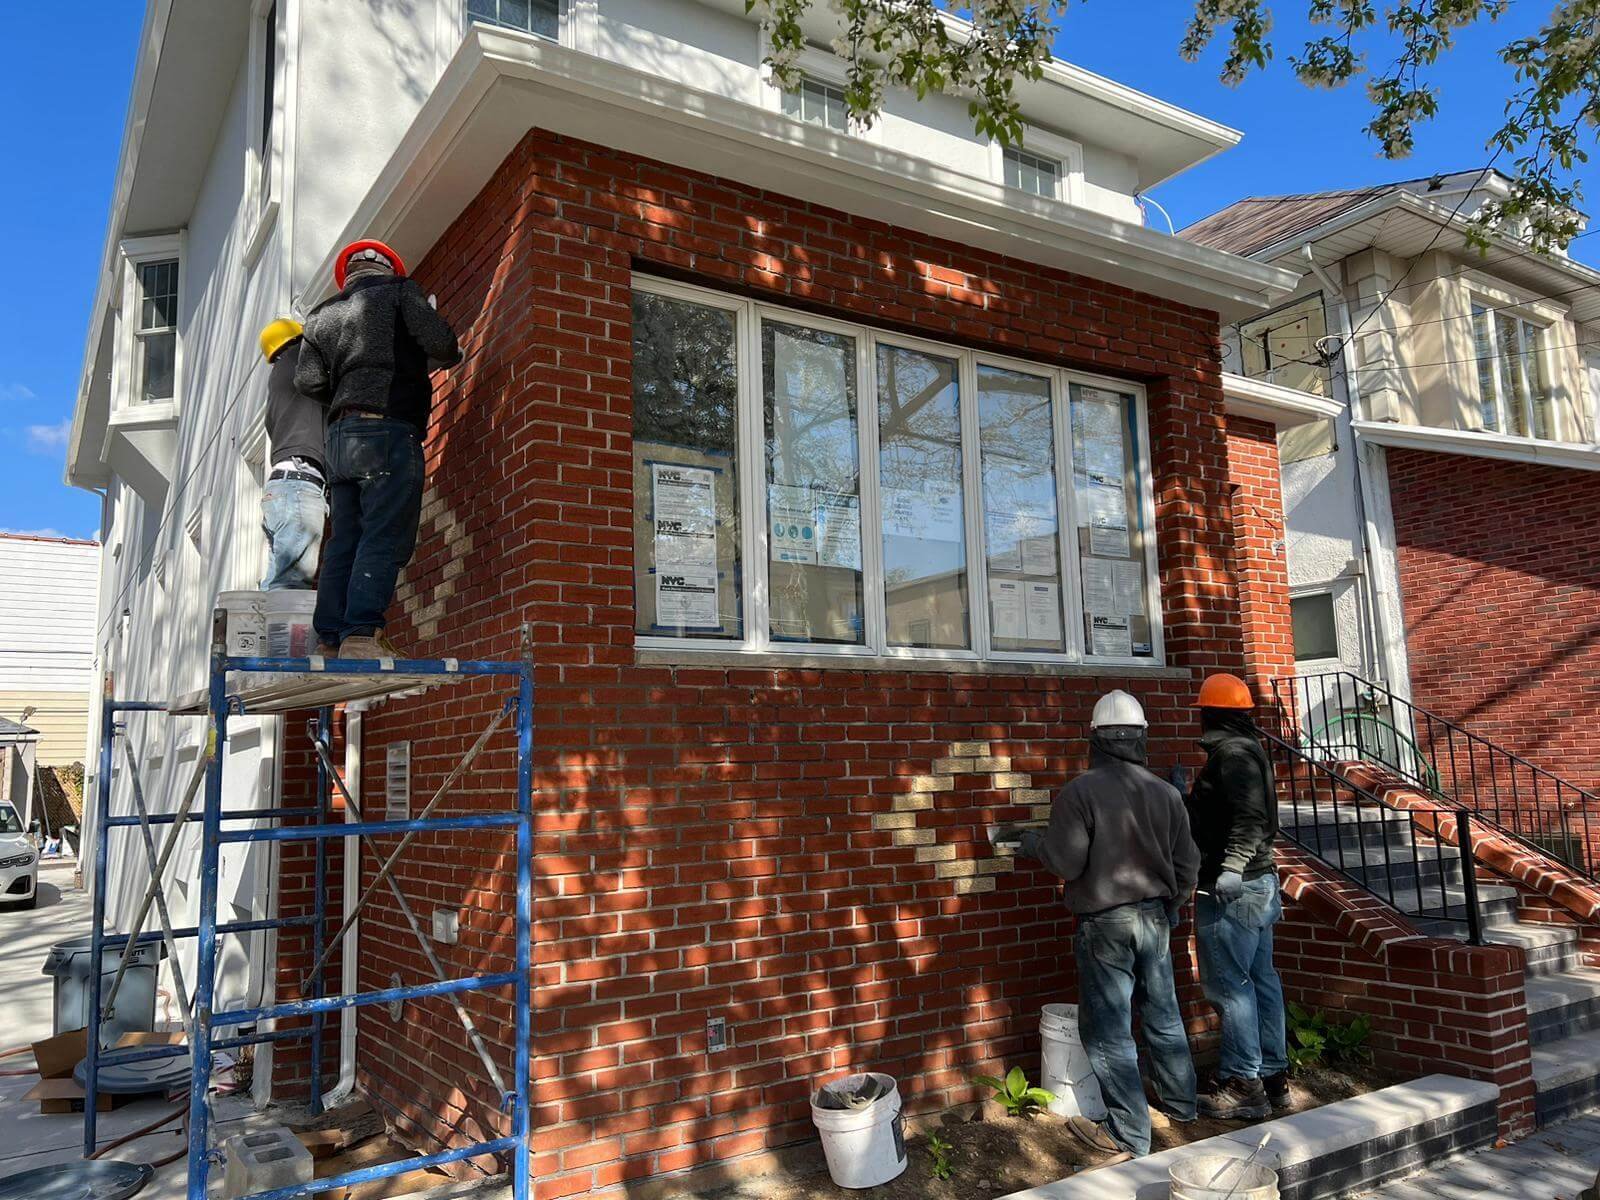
(1225, 691)
(342, 263)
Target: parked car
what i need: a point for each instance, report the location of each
(19, 861)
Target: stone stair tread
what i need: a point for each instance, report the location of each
(1492, 893)
(1567, 1060)
(1531, 937)
(1546, 992)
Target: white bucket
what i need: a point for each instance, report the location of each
(247, 623)
(864, 1146)
(1223, 1177)
(1065, 1069)
(289, 632)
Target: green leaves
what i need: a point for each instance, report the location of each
(1316, 1039)
(940, 1150)
(1015, 1093)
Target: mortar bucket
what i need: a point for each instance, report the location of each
(863, 1133)
(1065, 1069)
(1223, 1177)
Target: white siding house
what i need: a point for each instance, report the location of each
(47, 637)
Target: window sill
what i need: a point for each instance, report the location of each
(799, 661)
(265, 220)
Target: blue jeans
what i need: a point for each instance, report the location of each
(1125, 954)
(375, 475)
(1234, 938)
(292, 512)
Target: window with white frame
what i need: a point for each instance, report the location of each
(819, 103)
(269, 102)
(542, 17)
(155, 331)
(1031, 172)
(1513, 378)
(1315, 628)
(805, 483)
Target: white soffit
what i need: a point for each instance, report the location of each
(1282, 406)
(500, 85)
(1477, 444)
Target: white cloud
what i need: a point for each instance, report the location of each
(43, 533)
(15, 393)
(49, 439)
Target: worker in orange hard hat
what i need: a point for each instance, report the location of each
(1233, 815)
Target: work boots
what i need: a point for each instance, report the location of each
(1277, 1089)
(376, 646)
(1236, 1100)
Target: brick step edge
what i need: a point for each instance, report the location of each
(1327, 1152)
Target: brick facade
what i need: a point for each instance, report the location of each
(1256, 489)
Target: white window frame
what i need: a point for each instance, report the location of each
(752, 493)
(1312, 591)
(820, 66)
(264, 164)
(577, 26)
(1502, 403)
(136, 252)
(1041, 142)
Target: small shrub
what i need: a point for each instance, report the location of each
(940, 1150)
(1315, 1039)
(1015, 1093)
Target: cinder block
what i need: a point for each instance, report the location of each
(969, 749)
(263, 1161)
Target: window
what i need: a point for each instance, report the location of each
(542, 17)
(818, 103)
(1311, 440)
(1282, 347)
(1513, 379)
(155, 331)
(1316, 633)
(1032, 173)
(269, 101)
(804, 483)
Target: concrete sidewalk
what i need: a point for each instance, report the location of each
(1555, 1164)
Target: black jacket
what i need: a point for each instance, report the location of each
(1117, 834)
(294, 421)
(372, 346)
(1233, 808)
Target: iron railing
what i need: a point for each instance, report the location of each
(1340, 716)
(1391, 853)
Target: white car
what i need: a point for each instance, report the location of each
(19, 862)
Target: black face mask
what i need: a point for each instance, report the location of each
(1227, 720)
(1126, 743)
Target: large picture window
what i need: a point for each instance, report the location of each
(1513, 381)
(808, 484)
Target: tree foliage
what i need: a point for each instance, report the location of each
(1550, 116)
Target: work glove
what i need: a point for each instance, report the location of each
(1230, 885)
(1174, 913)
(1006, 835)
(1032, 845)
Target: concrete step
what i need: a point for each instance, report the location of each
(1566, 1076)
(1497, 905)
(1551, 949)
(1562, 1005)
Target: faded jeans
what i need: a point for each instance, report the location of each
(1234, 940)
(292, 512)
(375, 474)
(1125, 956)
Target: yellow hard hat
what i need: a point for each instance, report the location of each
(279, 334)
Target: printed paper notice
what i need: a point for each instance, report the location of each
(1044, 612)
(925, 514)
(1097, 422)
(1109, 540)
(1039, 555)
(838, 530)
(687, 599)
(1110, 637)
(1098, 585)
(793, 524)
(685, 516)
(1007, 609)
(1127, 588)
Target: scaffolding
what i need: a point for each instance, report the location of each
(248, 686)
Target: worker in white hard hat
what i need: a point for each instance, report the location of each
(1119, 837)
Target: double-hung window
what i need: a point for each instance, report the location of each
(542, 17)
(818, 103)
(1029, 172)
(1513, 378)
(822, 486)
(155, 331)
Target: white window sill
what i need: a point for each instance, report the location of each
(265, 220)
(801, 661)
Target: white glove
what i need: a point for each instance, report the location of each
(1230, 885)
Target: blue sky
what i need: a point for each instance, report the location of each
(61, 138)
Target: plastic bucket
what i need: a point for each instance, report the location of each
(1065, 1068)
(71, 965)
(863, 1133)
(289, 632)
(247, 622)
(1223, 1177)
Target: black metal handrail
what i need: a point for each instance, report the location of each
(1389, 852)
(1549, 815)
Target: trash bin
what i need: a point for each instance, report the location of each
(69, 964)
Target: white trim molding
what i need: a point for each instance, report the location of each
(1284, 407)
(1478, 444)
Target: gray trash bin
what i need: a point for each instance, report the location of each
(69, 964)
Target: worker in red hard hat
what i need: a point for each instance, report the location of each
(1233, 814)
(367, 353)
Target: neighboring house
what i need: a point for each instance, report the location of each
(1440, 525)
(48, 602)
(19, 746)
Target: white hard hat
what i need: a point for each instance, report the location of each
(1117, 708)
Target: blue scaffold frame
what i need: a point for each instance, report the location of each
(230, 694)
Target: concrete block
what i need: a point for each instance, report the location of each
(262, 1161)
(969, 749)
(953, 766)
(1007, 779)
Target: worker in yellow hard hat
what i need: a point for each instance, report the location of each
(294, 507)
(1233, 814)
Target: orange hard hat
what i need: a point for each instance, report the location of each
(342, 263)
(1225, 691)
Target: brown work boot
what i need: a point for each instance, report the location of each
(1277, 1088)
(1236, 1100)
(376, 646)
(1093, 1135)
(325, 650)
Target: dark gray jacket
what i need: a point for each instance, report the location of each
(1232, 809)
(1117, 834)
(371, 347)
(294, 420)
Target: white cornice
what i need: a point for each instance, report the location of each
(499, 85)
(1272, 402)
(1477, 444)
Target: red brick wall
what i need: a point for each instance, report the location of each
(1500, 580)
(723, 841)
(1263, 570)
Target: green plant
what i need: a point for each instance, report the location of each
(940, 1149)
(1015, 1093)
(1315, 1039)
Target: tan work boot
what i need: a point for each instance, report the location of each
(373, 647)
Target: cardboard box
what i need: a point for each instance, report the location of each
(58, 1097)
(158, 1037)
(57, 1056)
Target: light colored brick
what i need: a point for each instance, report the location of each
(968, 887)
(913, 837)
(932, 783)
(952, 766)
(913, 802)
(991, 764)
(1031, 796)
(1008, 779)
(969, 749)
(894, 820)
(956, 868)
(1041, 812)
(928, 854)
(995, 866)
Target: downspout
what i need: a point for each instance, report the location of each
(349, 958)
(1392, 677)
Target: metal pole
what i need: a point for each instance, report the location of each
(205, 986)
(1469, 878)
(319, 928)
(168, 938)
(102, 812)
(523, 1115)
